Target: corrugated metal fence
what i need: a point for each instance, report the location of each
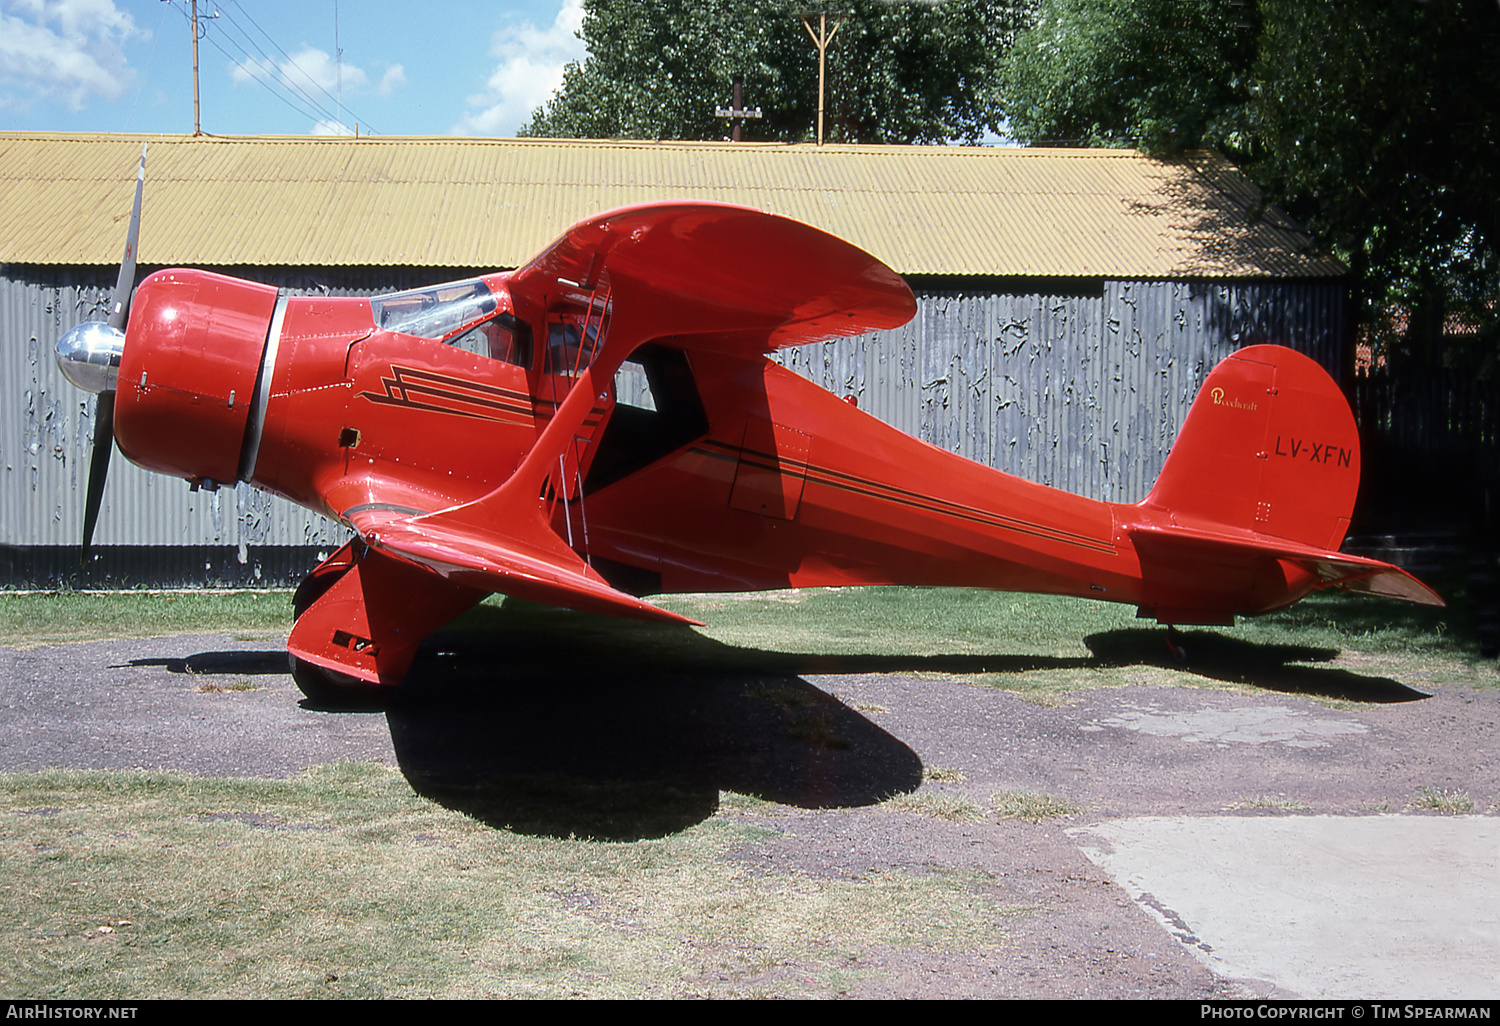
(1078, 388)
(1083, 392)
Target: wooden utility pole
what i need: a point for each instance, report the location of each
(197, 120)
(737, 111)
(198, 31)
(821, 39)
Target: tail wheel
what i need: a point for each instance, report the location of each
(329, 689)
(1175, 645)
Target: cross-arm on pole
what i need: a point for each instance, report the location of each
(821, 38)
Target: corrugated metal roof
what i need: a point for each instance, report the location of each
(493, 203)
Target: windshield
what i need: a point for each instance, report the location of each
(438, 312)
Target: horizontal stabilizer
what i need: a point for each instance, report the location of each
(1238, 557)
(1375, 578)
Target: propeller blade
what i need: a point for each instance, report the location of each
(104, 445)
(104, 410)
(119, 306)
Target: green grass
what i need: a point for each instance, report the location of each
(233, 686)
(908, 621)
(1032, 805)
(1278, 802)
(939, 805)
(343, 883)
(1435, 799)
(51, 617)
(832, 621)
(1040, 648)
(1372, 625)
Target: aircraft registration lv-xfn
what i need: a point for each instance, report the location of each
(473, 437)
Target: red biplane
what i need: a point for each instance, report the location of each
(476, 438)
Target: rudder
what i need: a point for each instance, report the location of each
(1270, 446)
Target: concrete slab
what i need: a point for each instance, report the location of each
(1254, 725)
(1337, 907)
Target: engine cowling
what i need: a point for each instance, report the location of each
(188, 373)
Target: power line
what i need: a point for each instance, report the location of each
(252, 64)
(282, 80)
(147, 75)
(264, 70)
(336, 100)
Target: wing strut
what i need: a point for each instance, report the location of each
(566, 485)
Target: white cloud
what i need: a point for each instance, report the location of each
(64, 50)
(331, 128)
(530, 70)
(310, 71)
(316, 78)
(393, 79)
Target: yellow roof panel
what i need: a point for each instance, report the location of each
(493, 203)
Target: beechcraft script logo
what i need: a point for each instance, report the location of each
(1234, 403)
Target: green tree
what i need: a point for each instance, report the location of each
(897, 73)
(1379, 126)
(1161, 75)
(1375, 124)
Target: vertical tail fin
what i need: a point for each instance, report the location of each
(1254, 500)
(1269, 446)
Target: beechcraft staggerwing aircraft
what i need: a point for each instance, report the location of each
(472, 437)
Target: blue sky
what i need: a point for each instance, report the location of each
(267, 67)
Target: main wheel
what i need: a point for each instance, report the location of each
(329, 689)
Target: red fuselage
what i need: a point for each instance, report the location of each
(745, 476)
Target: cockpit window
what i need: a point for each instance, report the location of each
(502, 337)
(438, 313)
(570, 345)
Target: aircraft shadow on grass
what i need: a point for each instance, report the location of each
(623, 731)
(1221, 657)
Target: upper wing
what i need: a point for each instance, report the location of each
(754, 281)
(706, 274)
